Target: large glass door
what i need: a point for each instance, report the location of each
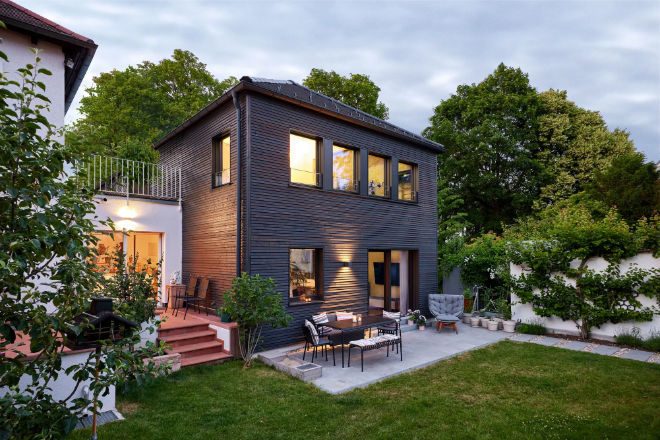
(390, 280)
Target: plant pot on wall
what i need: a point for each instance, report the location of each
(509, 326)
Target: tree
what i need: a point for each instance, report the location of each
(355, 90)
(451, 226)
(574, 144)
(45, 258)
(630, 185)
(556, 251)
(125, 111)
(489, 131)
(252, 302)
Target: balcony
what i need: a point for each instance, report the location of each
(130, 178)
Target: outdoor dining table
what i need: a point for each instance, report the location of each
(347, 325)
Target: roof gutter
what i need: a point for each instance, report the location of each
(234, 97)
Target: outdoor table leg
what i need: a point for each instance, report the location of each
(342, 348)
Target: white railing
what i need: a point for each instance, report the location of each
(114, 175)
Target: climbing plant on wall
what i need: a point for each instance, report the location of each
(555, 252)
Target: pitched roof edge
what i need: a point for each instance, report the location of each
(249, 83)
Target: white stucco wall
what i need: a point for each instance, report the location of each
(64, 384)
(17, 48)
(524, 312)
(148, 216)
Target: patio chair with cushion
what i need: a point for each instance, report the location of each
(312, 339)
(334, 335)
(447, 310)
(391, 329)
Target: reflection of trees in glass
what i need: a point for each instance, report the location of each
(405, 181)
(343, 168)
(377, 173)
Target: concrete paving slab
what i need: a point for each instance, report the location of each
(521, 337)
(607, 350)
(638, 355)
(576, 345)
(420, 349)
(548, 341)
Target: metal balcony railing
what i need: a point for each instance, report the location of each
(378, 189)
(221, 177)
(113, 175)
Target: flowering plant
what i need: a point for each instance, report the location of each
(421, 320)
(414, 315)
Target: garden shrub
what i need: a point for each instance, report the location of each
(652, 343)
(532, 328)
(630, 338)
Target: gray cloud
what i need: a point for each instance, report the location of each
(606, 54)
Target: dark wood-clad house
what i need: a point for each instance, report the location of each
(338, 207)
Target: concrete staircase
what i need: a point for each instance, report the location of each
(197, 343)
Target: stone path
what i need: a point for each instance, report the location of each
(605, 350)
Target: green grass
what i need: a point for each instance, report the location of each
(508, 390)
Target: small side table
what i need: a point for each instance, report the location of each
(174, 293)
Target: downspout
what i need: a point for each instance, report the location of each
(234, 96)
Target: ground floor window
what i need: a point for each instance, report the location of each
(140, 248)
(304, 275)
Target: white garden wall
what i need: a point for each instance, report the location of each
(524, 312)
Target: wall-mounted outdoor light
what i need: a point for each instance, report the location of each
(346, 264)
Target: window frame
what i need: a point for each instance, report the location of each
(414, 183)
(217, 159)
(388, 176)
(318, 277)
(356, 167)
(319, 159)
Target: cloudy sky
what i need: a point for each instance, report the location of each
(606, 54)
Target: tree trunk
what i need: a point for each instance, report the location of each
(584, 325)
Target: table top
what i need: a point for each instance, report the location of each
(367, 321)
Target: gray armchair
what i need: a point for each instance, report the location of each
(447, 309)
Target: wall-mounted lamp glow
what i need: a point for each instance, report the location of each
(126, 211)
(346, 264)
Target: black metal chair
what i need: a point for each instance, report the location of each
(391, 329)
(316, 341)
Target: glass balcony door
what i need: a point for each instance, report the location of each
(390, 277)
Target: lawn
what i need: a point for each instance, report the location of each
(508, 390)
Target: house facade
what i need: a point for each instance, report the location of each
(338, 207)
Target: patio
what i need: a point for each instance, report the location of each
(420, 349)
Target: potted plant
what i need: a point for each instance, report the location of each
(508, 325)
(483, 319)
(298, 278)
(493, 325)
(411, 317)
(474, 320)
(421, 322)
(468, 299)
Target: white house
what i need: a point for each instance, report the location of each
(148, 207)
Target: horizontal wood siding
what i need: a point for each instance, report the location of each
(345, 226)
(209, 214)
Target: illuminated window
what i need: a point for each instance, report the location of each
(379, 182)
(343, 169)
(221, 161)
(303, 160)
(407, 181)
(304, 274)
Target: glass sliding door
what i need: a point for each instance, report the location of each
(390, 277)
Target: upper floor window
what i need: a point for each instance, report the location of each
(407, 181)
(221, 161)
(304, 160)
(344, 169)
(379, 177)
